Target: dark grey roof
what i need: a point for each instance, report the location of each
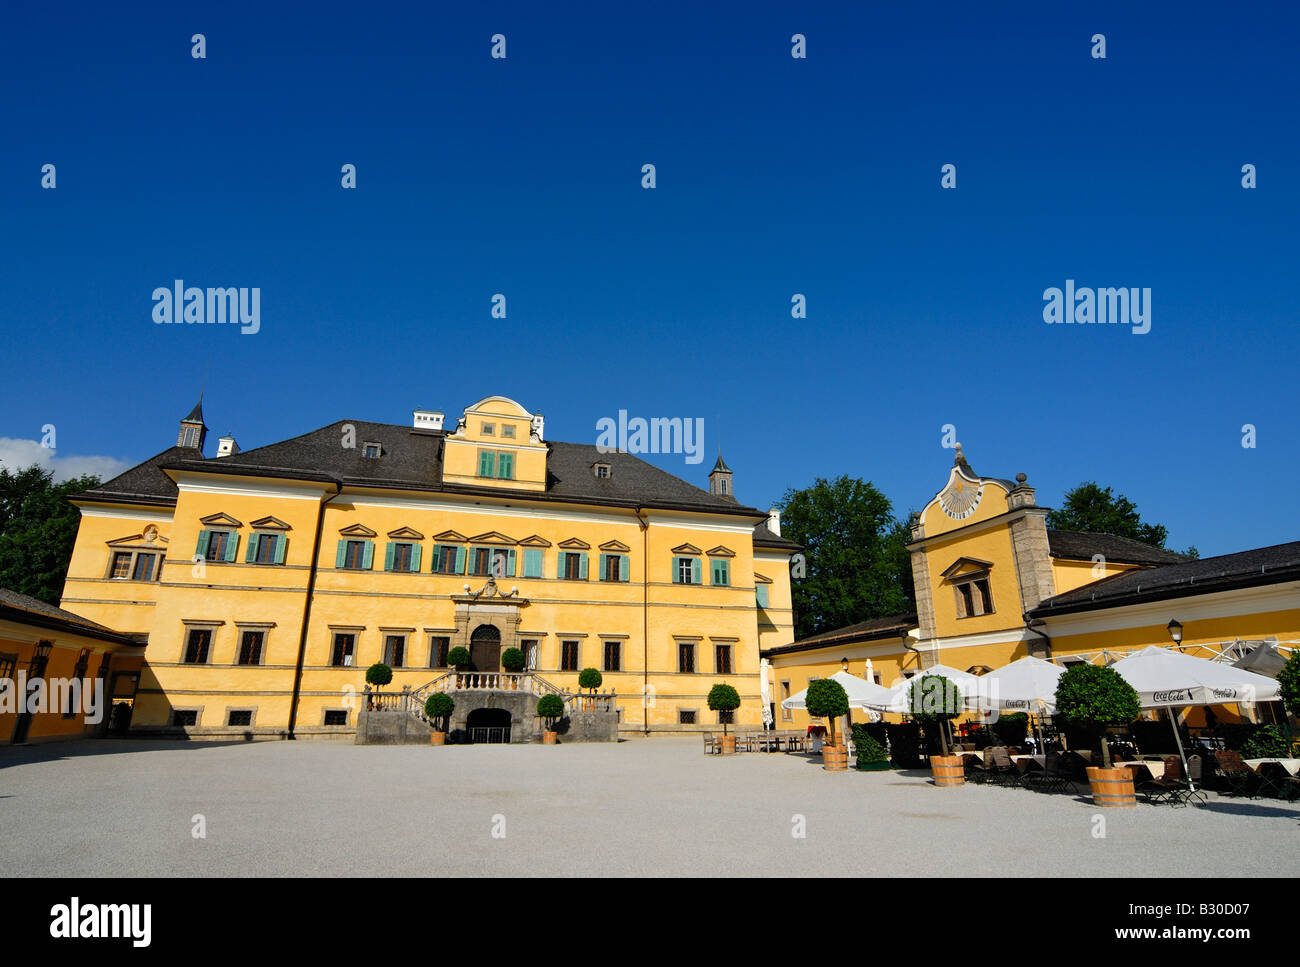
(142, 484)
(196, 414)
(720, 465)
(1261, 566)
(1082, 545)
(764, 537)
(412, 460)
(33, 611)
(890, 626)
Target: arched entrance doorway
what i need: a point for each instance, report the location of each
(488, 725)
(485, 649)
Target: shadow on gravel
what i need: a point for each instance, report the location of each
(20, 755)
(1250, 809)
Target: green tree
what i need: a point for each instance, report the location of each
(1092, 697)
(827, 699)
(1288, 680)
(1098, 510)
(723, 698)
(857, 563)
(38, 527)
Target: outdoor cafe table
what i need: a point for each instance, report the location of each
(1290, 765)
(978, 755)
(1154, 766)
(1040, 759)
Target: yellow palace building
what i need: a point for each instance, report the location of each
(994, 583)
(266, 581)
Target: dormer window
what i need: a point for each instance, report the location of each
(970, 582)
(602, 471)
(371, 451)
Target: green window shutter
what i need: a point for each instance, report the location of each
(231, 546)
(201, 549)
(250, 554)
(676, 570)
(510, 563)
(559, 564)
(486, 459)
(506, 465)
(415, 557)
(623, 567)
(368, 556)
(695, 571)
(341, 555)
(532, 562)
(281, 546)
(388, 556)
(582, 568)
(602, 573)
(460, 560)
(760, 592)
(437, 558)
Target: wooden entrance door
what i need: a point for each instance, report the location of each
(485, 649)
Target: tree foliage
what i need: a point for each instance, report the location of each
(857, 562)
(458, 658)
(379, 674)
(38, 527)
(550, 707)
(590, 678)
(512, 660)
(827, 699)
(1288, 680)
(1093, 697)
(1098, 510)
(439, 707)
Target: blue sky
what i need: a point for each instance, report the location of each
(775, 176)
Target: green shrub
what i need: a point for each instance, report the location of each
(1288, 680)
(458, 658)
(868, 749)
(512, 660)
(905, 745)
(723, 698)
(379, 675)
(934, 701)
(1011, 728)
(590, 678)
(1091, 698)
(438, 707)
(550, 707)
(1268, 742)
(827, 699)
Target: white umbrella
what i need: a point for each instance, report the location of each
(900, 696)
(861, 693)
(1164, 678)
(1023, 686)
(765, 693)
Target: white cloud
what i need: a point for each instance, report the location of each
(18, 454)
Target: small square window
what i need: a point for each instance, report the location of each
(185, 716)
(602, 471)
(507, 431)
(685, 716)
(371, 451)
(489, 429)
(336, 716)
(240, 716)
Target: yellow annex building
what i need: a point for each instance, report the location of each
(266, 581)
(994, 583)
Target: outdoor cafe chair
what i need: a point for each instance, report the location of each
(1240, 780)
(1002, 770)
(1171, 788)
(711, 744)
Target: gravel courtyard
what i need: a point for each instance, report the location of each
(641, 807)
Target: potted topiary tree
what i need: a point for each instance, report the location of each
(1091, 698)
(458, 658)
(590, 679)
(378, 675)
(870, 753)
(827, 699)
(512, 660)
(551, 708)
(935, 701)
(724, 698)
(438, 708)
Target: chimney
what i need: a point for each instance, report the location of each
(227, 447)
(427, 419)
(774, 521)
